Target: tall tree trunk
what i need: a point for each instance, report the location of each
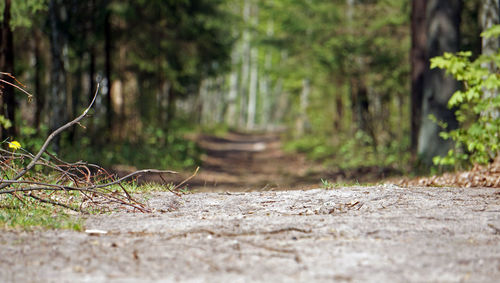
(488, 17)
(266, 96)
(302, 121)
(171, 107)
(252, 91)
(419, 63)
(58, 46)
(92, 74)
(107, 65)
(7, 99)
(245, 64)
(443, 21)
(281, 100)
(232, 96)
(339, 107)
(38, 77)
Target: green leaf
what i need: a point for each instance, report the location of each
(494, 31)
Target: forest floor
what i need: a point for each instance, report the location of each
(244, 224)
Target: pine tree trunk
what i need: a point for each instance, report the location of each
(443, 22)
(302, 121)
(252, 91)
(232, 97)
(58, 45)
(108, 65)
(7, 99)
(245, 64)
(38, 77)
(419, 63)
(266, 96)
(490, 16)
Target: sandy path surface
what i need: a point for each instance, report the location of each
(356, 234)
(351, 234)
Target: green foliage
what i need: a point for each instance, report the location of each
(22, 11)
(29, 214)
(341, 55)
(351, 152)
(4, 122)
(153, 149)
(476, 107)
(327, 185)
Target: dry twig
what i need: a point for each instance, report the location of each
(72, 177)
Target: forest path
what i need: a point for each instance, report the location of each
(351, 234)
(246, 162)
(383, 233)
(257, 162)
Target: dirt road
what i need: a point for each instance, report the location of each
(256, 162)
(351, 234)
(357, 234)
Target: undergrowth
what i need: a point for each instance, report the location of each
(29, 214)
(349, 153)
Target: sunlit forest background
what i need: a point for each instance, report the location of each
(340, 80)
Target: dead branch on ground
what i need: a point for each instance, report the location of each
(60, 183)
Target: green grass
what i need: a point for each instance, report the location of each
(327, 185)
(31, 214)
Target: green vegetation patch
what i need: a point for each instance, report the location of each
(28, 214)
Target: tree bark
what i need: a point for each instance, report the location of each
(419, 63)
(303, 121)
(38, 77)
(488, 17)
(232, 97)
(172, 98)
(252, 91)
(245, 63)
(443, 21)
(108, 65)
(7, 99)
(58, 46)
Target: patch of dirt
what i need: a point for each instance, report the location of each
(377, 234)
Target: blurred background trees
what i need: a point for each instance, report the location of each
(346, 81)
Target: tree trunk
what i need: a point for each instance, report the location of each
(107, 57)
(58, 46)
(232, 96)
(38, 77)
(265, 94)
(488, 17)
(7, 98)
(339, 107)
(443, 21)
(419, 63)
(302, 121)
(172, 98)
(245, 64)
(252, 91)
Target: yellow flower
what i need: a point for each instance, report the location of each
(14, 145)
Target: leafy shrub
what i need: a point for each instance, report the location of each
(477, 140)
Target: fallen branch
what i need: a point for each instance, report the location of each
(50, 137)
(95, 188)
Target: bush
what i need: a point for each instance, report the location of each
(477, 139)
